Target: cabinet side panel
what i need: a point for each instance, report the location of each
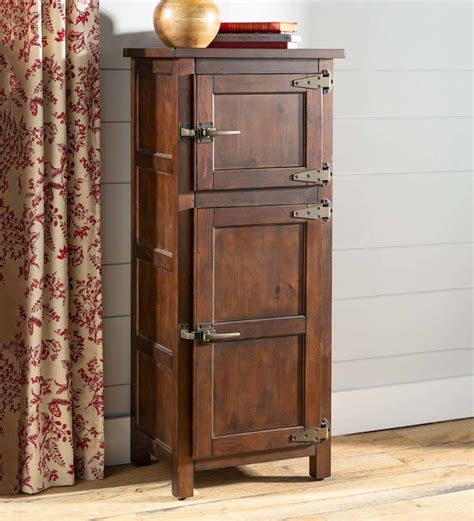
(155, 271)
(140, 447)
(154, 407)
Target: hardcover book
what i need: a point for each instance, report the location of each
(257, 37)
(258, 27)
(253, 45)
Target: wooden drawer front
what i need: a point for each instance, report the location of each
(253, 267)
(280, 125)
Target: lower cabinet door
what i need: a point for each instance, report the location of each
(257, 273)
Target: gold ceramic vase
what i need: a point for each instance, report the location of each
(186, 23)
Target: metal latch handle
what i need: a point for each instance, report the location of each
(213, 132)
(204, 132)
(210, 336)
(204, 334)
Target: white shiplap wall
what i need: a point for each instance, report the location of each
(403, 251)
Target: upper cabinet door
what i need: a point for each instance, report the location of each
(280, 131)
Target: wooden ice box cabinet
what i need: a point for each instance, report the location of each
(231, 257)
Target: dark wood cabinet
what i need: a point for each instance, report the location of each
(231, 256)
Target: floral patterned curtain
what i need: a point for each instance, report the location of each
(51, 375)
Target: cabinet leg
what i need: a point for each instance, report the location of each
(183, 478)
(320, 463)
(140, 448)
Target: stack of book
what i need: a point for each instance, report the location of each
(257, 35)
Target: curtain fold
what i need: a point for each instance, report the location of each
(51, 368)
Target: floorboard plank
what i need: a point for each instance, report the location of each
(456, 505)
(434, 456)
(461, 431)
(415, 473)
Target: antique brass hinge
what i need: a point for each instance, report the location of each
(320, 177)
(323, 211)
(316, 435)
(323, 80)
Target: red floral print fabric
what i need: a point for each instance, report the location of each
(51, 370)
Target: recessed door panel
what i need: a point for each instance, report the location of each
(260, 271)
(280, 129)
(274, 119)
(257, 273)
(252, 372)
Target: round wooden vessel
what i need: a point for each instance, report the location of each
(186, 23)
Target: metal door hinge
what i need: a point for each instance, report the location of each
(316, 435)
(204, 334)
(204, 132)
(320, 177)
(323, 80)
(322, 211)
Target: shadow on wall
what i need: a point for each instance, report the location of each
(112, 44)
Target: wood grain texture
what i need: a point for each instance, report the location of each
(294, 54)
(156, 103)
(369, 481)
(140, 447)
(277, 256)
(265, 404)
(271, 126)
(203, 314)
(320, 465)
(245, 65)
(205, 151)
(313, 378)
(255, 83)
(155, 297)
(273, 327)
(155, 200)
(259, 197)
(154, 407)
(218, 462)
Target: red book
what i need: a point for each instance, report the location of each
(253, 45)
(258, 27)
(258, 37)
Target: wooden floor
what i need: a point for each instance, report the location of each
(415, 473)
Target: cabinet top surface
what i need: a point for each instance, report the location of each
(170, 52)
